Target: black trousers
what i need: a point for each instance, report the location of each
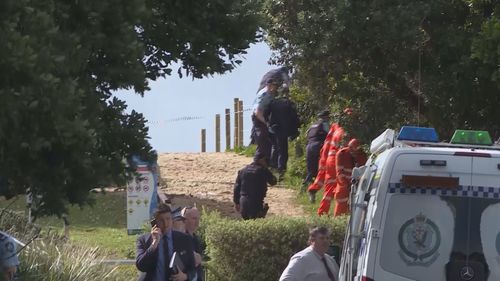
(251, 208)
(312, 158)
(279, 152)
(260, 137)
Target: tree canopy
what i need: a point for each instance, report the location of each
(62, 131)
(396, 62)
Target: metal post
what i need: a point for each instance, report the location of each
(228, 129)
(203, 140)
(217, 132)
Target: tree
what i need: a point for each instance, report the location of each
(62, 132)
(395, 61)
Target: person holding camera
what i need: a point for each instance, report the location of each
(156, 249)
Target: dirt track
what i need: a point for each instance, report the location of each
(207, 179)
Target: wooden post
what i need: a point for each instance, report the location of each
(203, 140)
(240, 123)
(217, 132)
(228, 129)
(236, 132)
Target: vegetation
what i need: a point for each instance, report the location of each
(395, 62)
(259, 249)
(62, 131)
(51, 258)
(102, 226)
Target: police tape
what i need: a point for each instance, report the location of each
(187, 118)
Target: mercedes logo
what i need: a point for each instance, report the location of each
(466, 273)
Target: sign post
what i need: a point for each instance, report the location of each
(141, 196)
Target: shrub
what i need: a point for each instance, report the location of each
(259, 249)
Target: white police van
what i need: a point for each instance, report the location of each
(425, 210)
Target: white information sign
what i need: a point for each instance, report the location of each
(141, 199)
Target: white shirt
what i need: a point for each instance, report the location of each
(306, 265)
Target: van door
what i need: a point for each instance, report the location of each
(484, 207)
(418, 224)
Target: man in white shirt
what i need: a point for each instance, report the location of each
(312, 263)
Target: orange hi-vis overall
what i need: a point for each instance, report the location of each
(347, 159)
(319, 181)
(330, 171)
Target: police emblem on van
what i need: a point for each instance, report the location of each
(419, 239)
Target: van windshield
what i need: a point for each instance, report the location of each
(433, 234)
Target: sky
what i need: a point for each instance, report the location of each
(175, 98)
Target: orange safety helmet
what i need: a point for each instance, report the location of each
(353, 144)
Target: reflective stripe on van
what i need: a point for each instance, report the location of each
(460, 191)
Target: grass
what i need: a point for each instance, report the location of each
(248, 151)
(102, 225)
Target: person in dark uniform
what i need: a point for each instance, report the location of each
(316, 135)
(283, 123)
(260, 134)
(250, 188)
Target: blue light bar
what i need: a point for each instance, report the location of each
(410, 133)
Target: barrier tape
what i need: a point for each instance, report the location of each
(187, 118)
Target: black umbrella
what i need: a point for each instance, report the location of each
(278, 74)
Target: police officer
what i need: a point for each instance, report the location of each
(283, 124)
(260, 133)
(250, 188)
(316, 135)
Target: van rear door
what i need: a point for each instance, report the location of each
(417, 226)
(484, 206)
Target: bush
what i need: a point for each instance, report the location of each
(259, 249)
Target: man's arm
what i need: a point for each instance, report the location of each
(145, 259)
(295, 270)
(261, 106)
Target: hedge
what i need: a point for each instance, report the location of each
(259, 249)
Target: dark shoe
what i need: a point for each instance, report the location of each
(312, 196)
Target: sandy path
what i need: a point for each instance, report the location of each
(207, 179)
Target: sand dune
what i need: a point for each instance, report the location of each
(206, 179)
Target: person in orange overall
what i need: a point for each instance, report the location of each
(319, 181)
(330, 171)
(347, 158)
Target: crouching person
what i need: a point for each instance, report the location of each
(250, 188)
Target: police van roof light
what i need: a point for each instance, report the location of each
(471, 137)
(410, 133)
